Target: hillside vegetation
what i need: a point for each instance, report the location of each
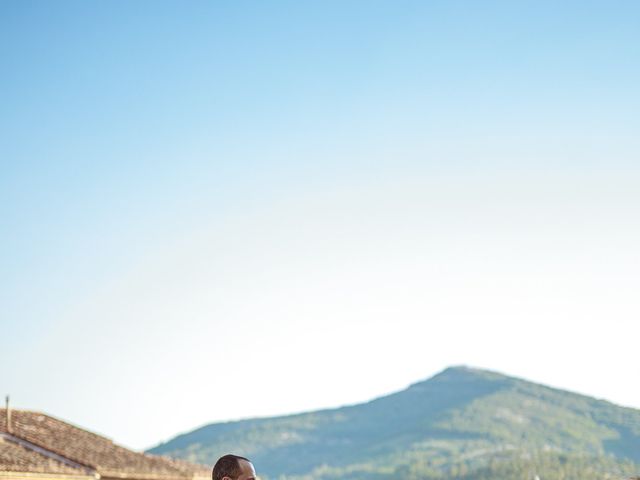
(461, 424)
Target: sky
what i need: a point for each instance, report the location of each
(220, 210)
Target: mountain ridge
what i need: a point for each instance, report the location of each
(462, 419)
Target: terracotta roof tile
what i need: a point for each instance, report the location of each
(92, 450)
(16, 458)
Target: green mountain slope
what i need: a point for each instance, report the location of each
(462, 423)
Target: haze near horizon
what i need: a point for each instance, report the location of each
(221, 211)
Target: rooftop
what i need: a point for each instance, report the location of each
(39, 443)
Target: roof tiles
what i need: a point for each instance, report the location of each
(85, 448)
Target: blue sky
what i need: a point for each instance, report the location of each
(312, 203)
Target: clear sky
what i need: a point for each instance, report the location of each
(226, 209)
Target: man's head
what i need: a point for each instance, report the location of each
(233, 467)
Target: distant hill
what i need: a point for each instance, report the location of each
(462, 423)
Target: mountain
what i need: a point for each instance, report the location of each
(462, 423)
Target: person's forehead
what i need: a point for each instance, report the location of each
(247, 468)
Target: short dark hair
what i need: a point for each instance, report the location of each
(227, 466)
